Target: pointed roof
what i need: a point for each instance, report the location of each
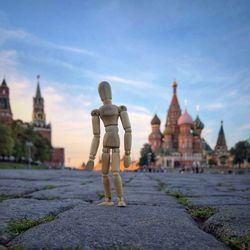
(38, 91)
(155, 120)
(174, 98)
(4, 83)
(174, 110)
(221, 141)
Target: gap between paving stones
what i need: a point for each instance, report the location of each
(201, 214)
(26, 195)
(162, 187)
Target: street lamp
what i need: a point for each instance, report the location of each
(149, 157)
(29, 145)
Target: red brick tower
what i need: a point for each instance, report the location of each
(38, 116)
(186, 138)
(5, 109)
(155, 138)
(198, 126)
(173, 115)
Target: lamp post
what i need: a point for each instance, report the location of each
(29, 145)
(149, 157)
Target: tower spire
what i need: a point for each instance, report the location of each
(174, 87)
(38, 91)
(221, 141)
(4, 82)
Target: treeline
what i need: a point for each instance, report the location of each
(13, 142)
(241, 152)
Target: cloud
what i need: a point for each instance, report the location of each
(128, 82)
(215, 106)
(138, 109)
(8, 58)
(7, 35)
(245, 126)
(24, 36)
(74, 49)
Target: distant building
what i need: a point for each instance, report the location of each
(180, 144)
(40, 125)
(38, 116)
(58, 158)
(5, 109)
(221, 154)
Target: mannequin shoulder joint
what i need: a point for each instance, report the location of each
(122, 108)
(95, 112)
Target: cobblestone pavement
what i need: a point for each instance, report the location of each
(49, 209)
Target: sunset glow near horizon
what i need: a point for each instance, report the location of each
(140, 47)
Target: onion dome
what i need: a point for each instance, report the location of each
(198, 124)
(174, 84)
(185, 118)
(156, 120)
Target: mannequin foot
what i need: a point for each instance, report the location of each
(121, 203)
(106, 202)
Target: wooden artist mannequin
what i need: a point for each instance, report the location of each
(110, 114)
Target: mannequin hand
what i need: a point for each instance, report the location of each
(90, 164)
(127, 161)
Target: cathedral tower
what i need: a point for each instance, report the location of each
(198, 126)
(5, 109)
(39, 116)
(185, 137)
(168, 137)
(220, 150)
(155, 137)
(173, 115)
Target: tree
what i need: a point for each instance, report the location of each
(6, 141)
(147, 155)
(41, 150)
(241, 152)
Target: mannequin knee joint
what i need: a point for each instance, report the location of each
(116, 173)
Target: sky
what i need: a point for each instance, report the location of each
(140, 47)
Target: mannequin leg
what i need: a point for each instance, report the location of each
(116, 176)
(105, 178)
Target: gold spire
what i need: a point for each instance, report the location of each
(174, 85)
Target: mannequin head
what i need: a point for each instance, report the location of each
(105, 92)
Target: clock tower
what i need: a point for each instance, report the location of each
(38, 116)
(5, 109)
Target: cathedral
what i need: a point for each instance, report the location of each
(38, 122)
(181, 144)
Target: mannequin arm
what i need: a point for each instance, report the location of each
(127, 136)
(96, 138)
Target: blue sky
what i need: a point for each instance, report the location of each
(140, 47)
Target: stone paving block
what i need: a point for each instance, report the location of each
(14, 209)
(95, 227)
(74, 191)
(229, 221)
